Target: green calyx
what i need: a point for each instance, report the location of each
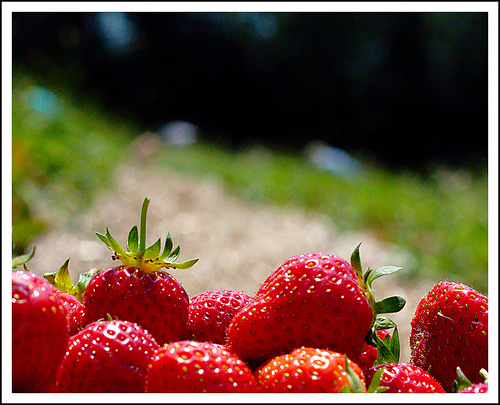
(388, 350)
(462, 382)
(355, 384)
(385, 306)
(148, 259)
(22, 260)
(62, 281)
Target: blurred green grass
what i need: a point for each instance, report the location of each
(441, 219)
(62, 156)
(62, 160)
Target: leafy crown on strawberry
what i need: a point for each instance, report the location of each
(140, 290)
(312, 300)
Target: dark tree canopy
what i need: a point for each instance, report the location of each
(407, 88)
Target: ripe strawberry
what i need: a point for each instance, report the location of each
(139, 290)
(450, 330)
(188, 366)
(479, 388)
(402, 377)
(312, 300)
(107, 356)
(210, 313)
(75, 312)
(307, 370)
(40, 333)
(70, 296)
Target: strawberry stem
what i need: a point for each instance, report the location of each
(147, 259)
(17, 261)
(142, 233)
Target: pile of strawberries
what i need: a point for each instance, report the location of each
(313, 326)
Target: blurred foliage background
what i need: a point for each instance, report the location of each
(377, 119)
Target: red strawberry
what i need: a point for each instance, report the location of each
(312, 300)
(139, 290)
(403, 377)
(40, 333)
(107, 356)
(70, 296)
(479, 388)
(188, 366)
(450, 330)
(75, 312)
(210, 313)
(307, 370)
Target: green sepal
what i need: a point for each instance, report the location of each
(382, 323)
(388, 349)
(104, 239)
(174, 254)
(461, 383)
(356, 261)
(185, 265)
(62, 281)
(146, 259)
(395, 345)
(372, 275)
(390, 305)
(83, 282)
(484, 374)
(152, 251)
(133, 241)
(374, 386)
(23, 259)
(168, 246)
(115, 246)
(355, 384)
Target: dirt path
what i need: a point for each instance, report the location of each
(238, 243)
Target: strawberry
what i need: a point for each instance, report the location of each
(195, 367)
(75, 312)
(140, 290)
(402, 377)
(312, 300)
(479, 388)
(107, 356)
(210, 313)
(307, 370)
(448, 330)
(40, 332)
(70, 296)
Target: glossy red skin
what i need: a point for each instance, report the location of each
(450, 330)
(405, 378)
(75, 311)
(210, 313)
(305, 370)
(480, 388)
(156, 301)
(40, 333)
(311, 300)
(107, 356)
(196, 367)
